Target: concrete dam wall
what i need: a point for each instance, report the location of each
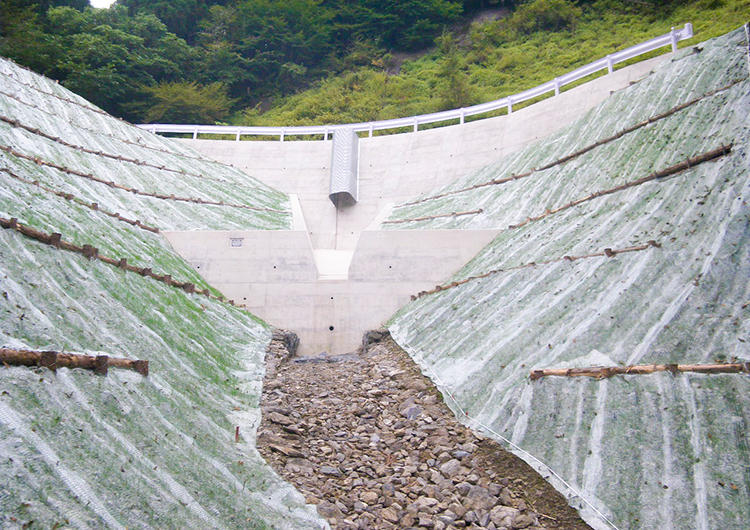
(339, 272)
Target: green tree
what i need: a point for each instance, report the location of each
(455, 90)
(181, 17)
(260, 47)
(183, 102)
(105, 55)
(22, 36)
(405, 24)
(544, 15)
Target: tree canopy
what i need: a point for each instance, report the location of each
(253, 49)
(207, 60)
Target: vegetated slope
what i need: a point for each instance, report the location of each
(540, 40)
(79, 450)
(649, 451)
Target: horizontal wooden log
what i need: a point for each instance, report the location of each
(93, 253)
(54, 360)
(600, 372)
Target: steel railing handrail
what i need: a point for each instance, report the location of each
(413, 122)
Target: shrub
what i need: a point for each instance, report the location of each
(187, 103)
(544, 15)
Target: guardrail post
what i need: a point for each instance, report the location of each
(463, 116)
(674, 38)
(610, 64)
(325, 134)
(195, 133)
(281, 136)
(370, 130)
(416, 125)
(510, 106)
(557, 86)
(238, 134)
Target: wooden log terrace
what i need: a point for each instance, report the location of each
(600, 372)
(53, 360)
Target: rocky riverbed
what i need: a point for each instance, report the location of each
(367, 438)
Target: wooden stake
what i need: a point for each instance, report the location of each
(600, 372)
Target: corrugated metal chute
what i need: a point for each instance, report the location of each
(344, 167)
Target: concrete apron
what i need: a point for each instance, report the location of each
(336, 275)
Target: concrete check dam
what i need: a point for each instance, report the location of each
(340, 271)
(605, 227)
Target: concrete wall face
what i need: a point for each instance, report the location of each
(312, 289)
(275, 275)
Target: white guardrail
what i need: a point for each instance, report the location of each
(608, 62)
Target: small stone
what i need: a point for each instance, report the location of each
(281, 419)
(503, 516)
(506, 497)
(369, 497)
(411, 412)
(426, 521)
(444, 457)
(463, 488)
(473, 478)
(479, 498)
(407, 520)
(424, 503)
(328, 510)
(523, 521)
(450, 468)
(414, 384)
(390, 514)
(331, 471)
(458, 509)
(286, 451)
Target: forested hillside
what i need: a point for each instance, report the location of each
(254, 61)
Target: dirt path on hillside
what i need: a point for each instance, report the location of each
(367, 439)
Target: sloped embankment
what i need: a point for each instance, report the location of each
(554, 291)
(79, 450)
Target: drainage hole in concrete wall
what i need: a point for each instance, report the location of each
(332, 298)
(330, 328)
